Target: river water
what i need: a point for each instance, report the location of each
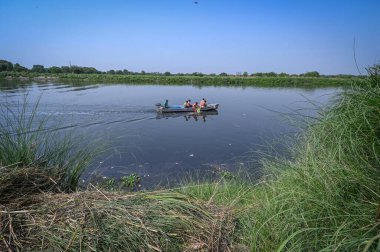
(164, 149)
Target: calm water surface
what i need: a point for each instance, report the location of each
(164, 149)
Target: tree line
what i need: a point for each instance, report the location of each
(7, 66)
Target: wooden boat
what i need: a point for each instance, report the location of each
(180, 108)
(188, 114)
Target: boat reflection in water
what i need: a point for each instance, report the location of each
(188, 116)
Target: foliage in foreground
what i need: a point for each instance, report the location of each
(97, 221)
(326, 199)
(33, 156)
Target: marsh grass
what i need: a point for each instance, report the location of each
(326, 197)
(33, 156)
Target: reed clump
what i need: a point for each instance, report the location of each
(34, 157)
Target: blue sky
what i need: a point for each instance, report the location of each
(180, 36)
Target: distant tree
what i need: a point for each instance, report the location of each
(119, 72)
(271, 74)
(76, 69)
(283, 74)
(18, 68)
(65, 69)
(167, 74)
(223, 74)
(89, 70)
(142, 72)
(311, 74)
(197, 74)
(38, 69)
(258, 74)
(245, 74)
(212, 74)
(5, 66)
(125, 71)
(111, 72)
(54, 69)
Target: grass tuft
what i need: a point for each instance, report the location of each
(33, 156)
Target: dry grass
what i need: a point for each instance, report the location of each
(103, 221)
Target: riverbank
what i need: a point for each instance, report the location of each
(325, 198)
(206, 80)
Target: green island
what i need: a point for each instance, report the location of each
(325, 198)
(10, 71)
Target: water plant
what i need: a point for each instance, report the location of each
(131, 181)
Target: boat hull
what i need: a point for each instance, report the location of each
(188, 114)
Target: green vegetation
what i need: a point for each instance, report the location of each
(326, 198)
(125, 183)
(89, 74)
(35, 158)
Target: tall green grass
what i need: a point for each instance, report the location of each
(33, 156)
(326, 198)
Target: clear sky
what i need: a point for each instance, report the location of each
(213, 36)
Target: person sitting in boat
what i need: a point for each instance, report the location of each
(185, 104)
(166, 105)
(188, 104)
(196, 107)
(203, 103)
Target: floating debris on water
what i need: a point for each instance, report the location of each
(191, 155)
